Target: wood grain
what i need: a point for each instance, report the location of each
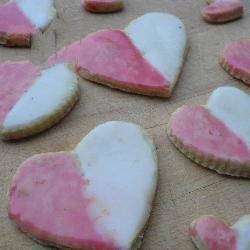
(185, 190)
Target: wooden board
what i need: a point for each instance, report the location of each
(185, 190)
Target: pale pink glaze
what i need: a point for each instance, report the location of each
(213, 233)
(198, 129)
(223, 10)
(111, 55)
(47, 200)
(102, 5)
(13, 21)
(15, 79)
(237, 56)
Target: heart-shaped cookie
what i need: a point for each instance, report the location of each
(219, 11)
(32, 101)
(217, 135)
(211, 233)
(145, 58)
(20, 19)
(98, 196)
(236, 60)
(102, 6)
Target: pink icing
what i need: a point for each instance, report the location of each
(237, 56)
(47, 200)
(111, 55)
(214, 234)
(14, 22)
(197, 128)
(15, 79)
(223, 10)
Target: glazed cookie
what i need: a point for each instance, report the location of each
(211, 233)
(102, 6)
(32, 101)
(98, 196)
(20, 20)
(219, 11)
(216, 135)
(236, 60)
(145, 58)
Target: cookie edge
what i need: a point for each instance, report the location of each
(231, 168)
(244, 77)
(44, 124)
(225, 17)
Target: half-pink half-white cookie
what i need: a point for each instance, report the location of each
(219, 11)
(102, 6)
(20, 19)
(145, 58)
(98, 196)
(211, 233)
(31, 100)
(216, 135)
(236, 60)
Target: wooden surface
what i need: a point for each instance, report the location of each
(185, 190)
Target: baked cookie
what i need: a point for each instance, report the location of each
(215, 135)
(102, 6)
(236, 60)
(145, 58)
(219, 11)
(211, 233)
(20, 19)
(32, 101)
(98, 196)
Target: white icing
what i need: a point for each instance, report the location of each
(243, 228)
(232, 107)
(161, 38)
(40, 12)
(120, 163)
(53, 89)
